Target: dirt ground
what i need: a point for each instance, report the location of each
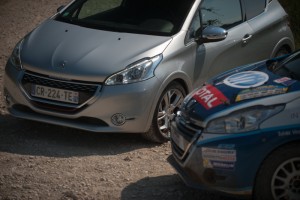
(40, 161)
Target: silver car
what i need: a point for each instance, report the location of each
(126, 65)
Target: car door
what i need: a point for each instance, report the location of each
(269, 23)
(216, 57)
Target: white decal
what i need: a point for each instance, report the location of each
(224, 155)
(284, 133)
(295, 115)
(247, 79)
(289, 132)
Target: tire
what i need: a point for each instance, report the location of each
(282, 51)
(168, 104)
(279, 175)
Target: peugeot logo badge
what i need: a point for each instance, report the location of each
(247, 79)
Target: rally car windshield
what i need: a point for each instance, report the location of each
(156, 17)
(290, 67)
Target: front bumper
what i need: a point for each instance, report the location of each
(132, 101)
(213, 165)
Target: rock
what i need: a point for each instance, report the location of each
(127, 158)
(69, 195)
(27, 187)
(103, 179)
(16, 186)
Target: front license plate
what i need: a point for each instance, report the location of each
(55, 94)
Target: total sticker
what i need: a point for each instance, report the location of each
(209, 97)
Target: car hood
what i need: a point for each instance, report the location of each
(72, 52)
(243, 85)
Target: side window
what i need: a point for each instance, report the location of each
(254, 7)
(222, 13)
(194, 26)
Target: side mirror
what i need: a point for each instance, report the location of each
(60, 8)
(211, 34)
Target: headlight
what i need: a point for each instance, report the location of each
(15, 57)
(243, 120)
(136, 72)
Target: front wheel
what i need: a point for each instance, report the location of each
(168, 104)
(279, 175)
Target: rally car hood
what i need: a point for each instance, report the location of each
(70, 51)
(234, 88)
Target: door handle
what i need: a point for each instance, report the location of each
(246, 38)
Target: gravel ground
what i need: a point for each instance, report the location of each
(40, 161)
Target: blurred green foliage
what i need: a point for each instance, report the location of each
(292, 7)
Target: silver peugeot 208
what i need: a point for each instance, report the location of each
(126, 65)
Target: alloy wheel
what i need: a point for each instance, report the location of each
(286, 180)
(168, 106)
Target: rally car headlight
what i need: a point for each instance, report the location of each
(136, 72)
(15, 57)
(243, 120)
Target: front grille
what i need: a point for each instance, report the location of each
(189, 133)
(83, 121)
(86, 90)
(187, 128)
(177, 150)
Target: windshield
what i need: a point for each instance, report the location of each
(290, 67)
(157, 17)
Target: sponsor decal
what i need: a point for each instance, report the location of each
(224, 155)
(219, 158)
(288, 132)
(207, 163)
(247, 79)
(223, 165)
(285, 81)
(284, 133)
(295, 115)
(209, 97)
(262, 91)
(218, 165)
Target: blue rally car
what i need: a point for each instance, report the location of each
(240, 132)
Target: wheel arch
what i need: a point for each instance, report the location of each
(257, 184)
(283, 43)
(180, 78)
(278, 148)
(182, 83)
